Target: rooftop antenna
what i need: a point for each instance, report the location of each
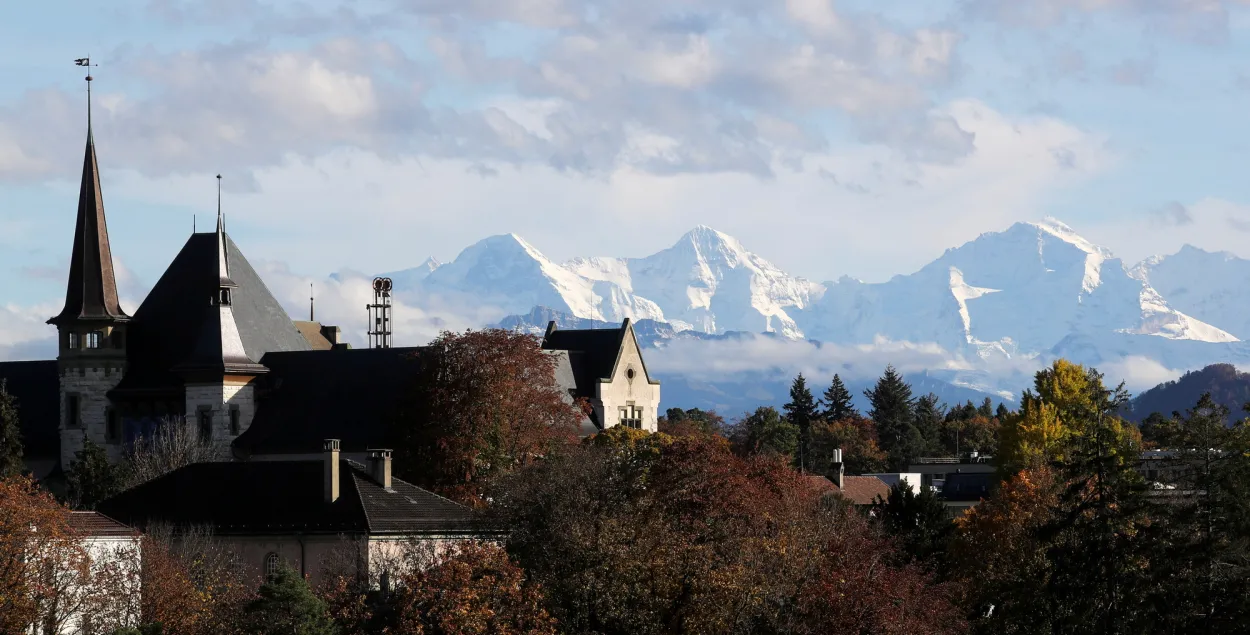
(380, 314)
(221, 226)
(311, 314)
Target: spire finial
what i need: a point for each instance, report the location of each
(312, 316)
(86, 61)
(220, 225)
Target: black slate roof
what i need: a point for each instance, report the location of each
(36, 388)
(592, 353)
(347, 394)
(168, 326)
(277, 497)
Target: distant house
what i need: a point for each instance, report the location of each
(110, 546)
(963, 491)
(608, 371)
(859, 490)
(301, 512)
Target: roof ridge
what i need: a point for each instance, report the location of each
(436, 495)
(364, 509)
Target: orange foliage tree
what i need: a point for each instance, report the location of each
(484, 403)
(192, 583)
(47, 574)
(652, 534)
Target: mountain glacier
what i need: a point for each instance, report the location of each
(1009, 299)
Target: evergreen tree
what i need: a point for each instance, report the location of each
(918, 521)
(1096, 543)
(1001, 412)
(766, 432)
(987, 408)
(802, 411)
(929, 417)
(10, 435)
(1204, 571)
(838, 406)
(92, 478)
(893, 413)
(285, 605)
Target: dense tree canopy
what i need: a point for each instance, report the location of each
(10, 435)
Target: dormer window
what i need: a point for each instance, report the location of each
(94, 339)
(224, 297)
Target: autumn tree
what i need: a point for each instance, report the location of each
(10, 435)
(686, 536)
(193, 584)
(998, 551)
(47, 577)
(801, 411)
(837, 400)
(856, 437)
(765, 431)
(175, 443)
(893, 412)
(483, 403)
(694, 421)
(474, 588)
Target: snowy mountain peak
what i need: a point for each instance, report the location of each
(1058, 229)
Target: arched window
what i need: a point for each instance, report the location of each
(272, 562)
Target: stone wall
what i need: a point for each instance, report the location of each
(91, 385)
(220, 399)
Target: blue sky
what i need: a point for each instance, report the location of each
(832, 137)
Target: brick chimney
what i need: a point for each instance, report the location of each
(330, 448)
(380, 467)
(839, 470)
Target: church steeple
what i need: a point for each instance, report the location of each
(91, 294)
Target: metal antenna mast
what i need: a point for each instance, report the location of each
(380, 314)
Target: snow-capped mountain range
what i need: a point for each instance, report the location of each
(1031, 292)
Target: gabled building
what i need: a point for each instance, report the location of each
(301, 512)
(211, 344)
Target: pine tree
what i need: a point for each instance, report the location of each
(893, 413)
(802, 411)
(1097, 543)
(10, 435)
(286, 605)
(838, 406)
(987, 408)
(919, 522)
(92, 478)
(1002, 412)
(928, 417)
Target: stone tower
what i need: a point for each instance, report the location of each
(92, 327)
(218, 374)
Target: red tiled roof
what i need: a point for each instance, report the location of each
(97, 525)
(863, 490)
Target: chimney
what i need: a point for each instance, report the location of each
(839, 470)
(330, 448)
(380, 467)
(331, 333)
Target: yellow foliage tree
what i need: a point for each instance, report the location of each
(1064, 398)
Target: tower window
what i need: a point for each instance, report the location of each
(93, 339)
(71, 340)
(224, 297)
(631, 416)
(205, 419)
(236, 421)
(73, 418)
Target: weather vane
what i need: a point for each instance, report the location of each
(86, 61)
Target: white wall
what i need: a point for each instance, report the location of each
(623, 391)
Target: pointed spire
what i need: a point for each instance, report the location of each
(223, 256)
(91, 292)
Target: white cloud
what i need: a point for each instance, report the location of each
(1212, 224)
(1138, 373)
